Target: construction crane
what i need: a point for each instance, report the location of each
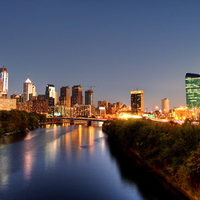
(91, 87)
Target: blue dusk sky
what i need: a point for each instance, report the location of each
(115, 45)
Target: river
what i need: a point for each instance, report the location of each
(72, 162)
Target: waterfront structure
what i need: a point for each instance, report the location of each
(77, 97)
(29, 90)
(165, 105)
(103, 103)
(89, 97)
(83, 110)
(101, 111)
(65, 99)
(3, 82)
(40, 106)
(137, 101)
(192, 86)
(183, 113)
(50, 94)
(7, 104)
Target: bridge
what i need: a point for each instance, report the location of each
(72, 119)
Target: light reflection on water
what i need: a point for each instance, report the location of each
(69, 162)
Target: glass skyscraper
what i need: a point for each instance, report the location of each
(89, 97)
(50, 94)
(192, 86)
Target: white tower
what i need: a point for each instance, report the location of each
(29, 90)
(3, 81)
(165, 105)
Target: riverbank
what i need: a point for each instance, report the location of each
(15, 121)
(167, 150)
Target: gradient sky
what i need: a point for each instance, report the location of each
(115, 45)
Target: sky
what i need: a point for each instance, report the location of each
(115, 45)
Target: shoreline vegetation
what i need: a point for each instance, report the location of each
(169, 150)
(15, 121)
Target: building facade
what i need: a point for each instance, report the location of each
(137, 101)
(65, 98)
(103, 103)
(89, 97)
(165, 105)
(7, 104)
(192, 86)
(3, 82)
(50, 94)
(77, 97)
(29, 90)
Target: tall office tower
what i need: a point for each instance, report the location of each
(3, 82)
(192, 86)
(77, 97)
(34, 91)
(165, 105)
(29, 90)
(137, 101)
(50, 94)
(89, 97)
(65, 98)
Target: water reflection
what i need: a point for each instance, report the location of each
(150, 186)
(4, 171)
(71, 162)
(28, 165)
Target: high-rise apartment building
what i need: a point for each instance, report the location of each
(89, 97)
(137, 101)
(29, 90)
(65, 98)
(3, 82)
(165, 105)
(77, 97)
(50, 94)
(192, 86)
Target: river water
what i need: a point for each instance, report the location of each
(72, 162)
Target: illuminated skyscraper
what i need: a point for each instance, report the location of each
(29, 90)
(77, 97)
(89, 97)
(3, 82)
(165, 105)
(50, 94)
(192, 86)
(137, 101)
(65, 98)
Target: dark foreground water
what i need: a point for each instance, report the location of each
(72, 162)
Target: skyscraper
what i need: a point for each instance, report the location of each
(50, 94)
(165, 105)
(89, 97)
(65, 98)
(137, 101)
(29, 90)
(3, 82)
(77, 97)
(192, 86)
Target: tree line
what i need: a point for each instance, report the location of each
(19, 121)
(171, 150)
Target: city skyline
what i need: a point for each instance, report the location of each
(115, 46)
